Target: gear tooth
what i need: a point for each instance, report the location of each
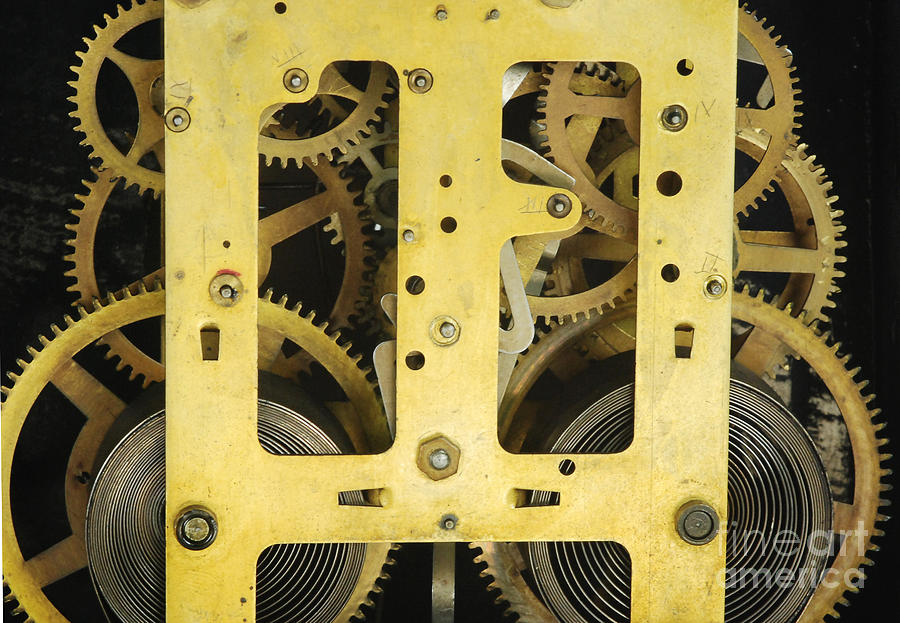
(68, 319)
(12, 376)
(5, 391)
(56, 330)
(267, 297)
(283, 301)
(31, 350)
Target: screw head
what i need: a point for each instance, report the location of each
(196, 528)
(559, 205)
(493, 14)
(178, 119)
(674, 118)
(439, 459)
(448, 330)
(295, 80)
(440, 14)
(448, 522)
(420, 81)
(408, 235)
(697, 523)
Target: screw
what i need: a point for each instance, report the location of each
(448, 522)
(441, 13)
(196, 529)
(559, 205)
(698, 523)
(714, 286)
(444, 330)
(226, 292)
(439, 459)
(493, 14)
(420, 80)
(225, 289)
(448, 330)
(295, 80)
(408, 235)
(178, 119)
(674, 117)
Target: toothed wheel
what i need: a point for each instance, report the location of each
(54, 363)
(331, 201)
(807, 255)
(567, 349)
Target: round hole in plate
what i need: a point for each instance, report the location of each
(668, 183)
(280, 8)
(670, 273)
(446, 180)
(567, 467)
(415, 285)
(415, 360)
(448, 224)
(685, 67)
(226, 243)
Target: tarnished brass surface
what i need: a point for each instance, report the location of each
(213, 457)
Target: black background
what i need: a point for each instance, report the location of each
(848, 60)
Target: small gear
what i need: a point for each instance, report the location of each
(286, 145)
(147, 81)
(335, 202)
(380, 193)
(566, 349)
(54, 363)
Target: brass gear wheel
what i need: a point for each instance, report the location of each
(564, 350)
(147, 81)
(336, 203)
(380, 193)
(54, 364)
(809, 254)
(576, 98)
(284, 143)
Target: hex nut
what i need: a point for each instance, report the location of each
(697, 523)
(433, 446)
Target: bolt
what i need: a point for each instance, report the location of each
(444, 330)
(196, 529)
(421, 81)
(439, 459)
(715, 288)
(441, 13)
(408, 235)
(698, 523)
(295, 80)
(493, 14)
(448, 330)
(448, 522)
(178, 119)
(674, 117)
(559, 205)
(226, 292)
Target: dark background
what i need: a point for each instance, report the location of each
(848, 60)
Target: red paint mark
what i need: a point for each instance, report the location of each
(228, 271)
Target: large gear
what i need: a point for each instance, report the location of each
(54, 364)
(148, 83)
(809, 254)
(613, 333)
(335, 202)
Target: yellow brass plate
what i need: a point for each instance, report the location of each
(225, 62)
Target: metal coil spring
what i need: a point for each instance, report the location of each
(125, 532)
(777, 488)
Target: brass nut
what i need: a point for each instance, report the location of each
(715, 286)
(420, 81)
(559, 205)
(673, 118)
(295, 80)
(438, 457)
(697, 523)
(178, 119)
(226, 289)
(444, 331)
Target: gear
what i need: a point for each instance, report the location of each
(335, 202)
(564, 350)
(809, 254)
(146, 79)
(54, 364)
(380, 193)
(285, 144)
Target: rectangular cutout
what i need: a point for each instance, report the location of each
(684, 341)
(361, 497)
(533, 498)
(209, 343)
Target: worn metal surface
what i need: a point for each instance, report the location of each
(225, 63)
